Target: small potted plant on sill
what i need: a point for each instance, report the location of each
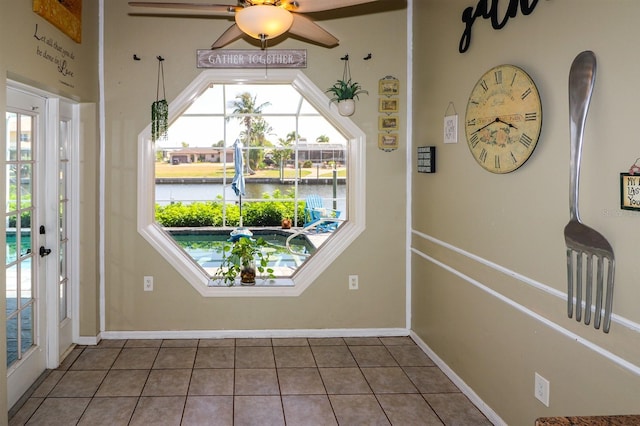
(244, 258)
(344, 94)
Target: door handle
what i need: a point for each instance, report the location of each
(44, 251)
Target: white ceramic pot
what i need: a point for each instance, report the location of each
(346, 107)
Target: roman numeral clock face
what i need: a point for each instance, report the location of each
(503, 119)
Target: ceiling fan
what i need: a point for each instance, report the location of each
(260, 19)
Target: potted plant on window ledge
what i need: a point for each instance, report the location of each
(244, 258)
(344, 94)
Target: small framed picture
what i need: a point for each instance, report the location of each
(388, 105)
(629, 191)
(388, 141)
(451, 129)
(387, 122)
(389, 86)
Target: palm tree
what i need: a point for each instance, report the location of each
(292, 136)
(283, 153)
(246, 109)
(322, 139)
(259, 131)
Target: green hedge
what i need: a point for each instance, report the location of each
(209, 213)
(25, 220)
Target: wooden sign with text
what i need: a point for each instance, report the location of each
(248, 58)
(629, 191)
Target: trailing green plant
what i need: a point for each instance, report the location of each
(345, 89)
(159, 120)
(160, 109)
(243, 258)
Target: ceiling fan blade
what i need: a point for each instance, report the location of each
(308, 6)
(231, 34)
(306, 28)
(185, 8)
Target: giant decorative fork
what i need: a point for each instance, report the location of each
(582, 241)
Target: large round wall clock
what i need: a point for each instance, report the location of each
(503, 119)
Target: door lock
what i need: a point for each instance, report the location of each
(44, 251)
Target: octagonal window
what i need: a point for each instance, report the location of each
(245, 155)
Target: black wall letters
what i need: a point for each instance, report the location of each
(488, 9)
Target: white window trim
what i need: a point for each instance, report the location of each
(330, 250)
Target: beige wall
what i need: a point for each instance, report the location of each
(22, 59)
(377, 256)
(495, 342)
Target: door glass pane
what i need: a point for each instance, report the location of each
(25, 242)
(63, 261)
(62, 290)
(12, 136)
(12, 300)
(25, 282)
(10, 237)
(12, 179)
(24, 187)
(26, 133)
(62, 300)
(12, 339)
(25, 226)
(26, 328)
(62, 222)
(63, 180)
(64, 138)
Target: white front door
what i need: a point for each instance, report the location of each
(40, 132)
(26, 328)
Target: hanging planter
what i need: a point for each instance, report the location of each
(159, 109)
(346, 107)
(345, 91)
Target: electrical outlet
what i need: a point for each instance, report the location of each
(353, 282)
(148, 283)
(541, 390)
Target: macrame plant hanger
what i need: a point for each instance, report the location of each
(346, 73)
(160, 108)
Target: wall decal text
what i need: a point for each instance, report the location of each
(488, 9)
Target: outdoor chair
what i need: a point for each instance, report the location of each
(316, 214)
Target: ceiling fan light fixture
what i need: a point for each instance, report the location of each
(263, 21)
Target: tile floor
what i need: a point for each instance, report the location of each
(288, 381)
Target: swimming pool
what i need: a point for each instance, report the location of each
(205, 247)
(25, 242)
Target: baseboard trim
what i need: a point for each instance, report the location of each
(475, 399)
(220, 334)
(88, 340)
